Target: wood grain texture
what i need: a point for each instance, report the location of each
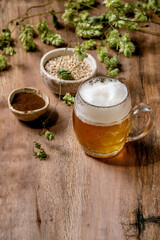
(72, 196)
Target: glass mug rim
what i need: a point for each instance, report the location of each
(99, 78)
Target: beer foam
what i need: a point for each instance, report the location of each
(103, 101)
(106, 94)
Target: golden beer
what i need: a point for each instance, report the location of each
(100, 141)
(102, 116)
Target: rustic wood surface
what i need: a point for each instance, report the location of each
(71, 196)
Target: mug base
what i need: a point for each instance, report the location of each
(102, 155)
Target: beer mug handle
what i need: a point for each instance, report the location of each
(142, 107)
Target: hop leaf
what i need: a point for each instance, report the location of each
(80, 52)
(64, 74)
(95, 20)
(3, 63)
(55, 20)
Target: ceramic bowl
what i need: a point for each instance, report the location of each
(29, 115)
(67, 86)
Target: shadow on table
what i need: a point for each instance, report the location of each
(50, 119)
(138, 153)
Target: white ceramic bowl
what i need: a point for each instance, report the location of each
(67, 86)
(29, 115)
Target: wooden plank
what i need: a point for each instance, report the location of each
(73, 196)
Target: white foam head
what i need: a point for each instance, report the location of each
(102, 101)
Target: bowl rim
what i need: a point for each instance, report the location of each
(32, 90)
(62, 80)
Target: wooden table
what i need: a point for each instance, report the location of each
(72, 196)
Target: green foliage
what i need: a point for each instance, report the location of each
(26, 37)
(47, 36)
(124, 15)
(90, 44)
(114, 4)
(55, 20)
(140, 15)
(80, 52)
(122, 43)
(64, 74)
(42, 132)
(139, 4)
(49, 135)
(37, 145)
(3, 62)
(112, 72)
(95, 20)
(84, 15)
(42, 26)
(102, 53)
(86, 2)
(112, 62)
(5, 38)
(126, 46)
(41, 154)
(68, 99)
(150, 5)
(78, 4)
(9, 51)
(112, 39)
(88, 30)
(129, 25)
(69, 16)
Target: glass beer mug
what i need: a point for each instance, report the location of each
(102, 116)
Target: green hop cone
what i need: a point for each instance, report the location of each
(49, 135)
(80, 52)
(112, 72)
(9, 51)
(68, 99)
(3, 63)
(90, 44)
